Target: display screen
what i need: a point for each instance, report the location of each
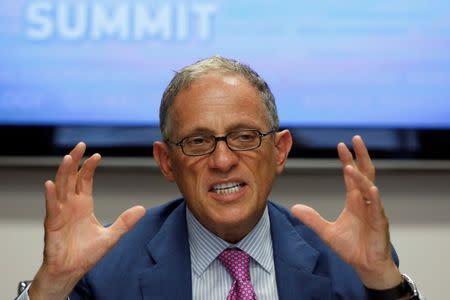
(75, 65)
(329, 63)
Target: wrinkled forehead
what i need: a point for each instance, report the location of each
(218, 101)
(199, 76)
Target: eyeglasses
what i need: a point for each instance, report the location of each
(240, 140)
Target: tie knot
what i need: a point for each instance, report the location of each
(236, 262)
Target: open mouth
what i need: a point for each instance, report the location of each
(227, 188)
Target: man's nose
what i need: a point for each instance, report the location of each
(223, 158)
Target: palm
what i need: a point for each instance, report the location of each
(74, 239)
(356, 237)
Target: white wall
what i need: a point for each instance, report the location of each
(417, 201)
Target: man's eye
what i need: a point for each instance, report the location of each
(245, 137)
(197, 141)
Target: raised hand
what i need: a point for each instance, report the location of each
(74, 239)
(360, 235)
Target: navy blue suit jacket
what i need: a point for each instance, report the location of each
(153, 262)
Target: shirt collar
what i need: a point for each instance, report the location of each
(206, 246)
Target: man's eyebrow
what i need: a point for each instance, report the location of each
(240, 126)
(208, 131)
(200, 131)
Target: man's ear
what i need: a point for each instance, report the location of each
(162, 158)
(283, 144)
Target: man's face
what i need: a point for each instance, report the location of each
(225, 190)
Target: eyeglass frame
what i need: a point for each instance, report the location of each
(222, 138)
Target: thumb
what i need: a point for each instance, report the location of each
(311, 218)
(125, 222)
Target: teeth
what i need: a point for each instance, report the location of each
(227, 188)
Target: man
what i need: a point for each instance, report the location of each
(223, 148)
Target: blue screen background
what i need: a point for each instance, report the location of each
(383, 64)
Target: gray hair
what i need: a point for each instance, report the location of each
(221, 65)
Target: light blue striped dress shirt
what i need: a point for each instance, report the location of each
(210, 279)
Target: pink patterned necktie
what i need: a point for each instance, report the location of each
(237, 262)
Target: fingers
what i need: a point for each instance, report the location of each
(85, 178)
(361, 182)
(76, 154)
(345, 155)
(365, 164)
(312, 219)
(78, 151)
(65, 180)
(61, 178)
(125, 222)
(51, 202)
(369, 192)
(346, 158)
(69, 180)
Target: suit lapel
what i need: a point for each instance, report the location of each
(295, 261)
(168, 275)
